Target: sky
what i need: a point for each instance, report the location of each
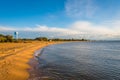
(90, 19)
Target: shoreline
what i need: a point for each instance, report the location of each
(35, 75)
(16, 66)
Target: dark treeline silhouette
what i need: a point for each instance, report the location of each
(9, 38)
(42, 38)
(58, 39)
(6, 38)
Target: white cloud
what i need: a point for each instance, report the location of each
(51, 31)
(80, 8)
(5, 28)
(44, 28)
(97, 31)
(78, 29)
(90, 28)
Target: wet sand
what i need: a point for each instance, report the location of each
(14, 62)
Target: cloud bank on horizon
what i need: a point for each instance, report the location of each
(78, 29)
(83, 26)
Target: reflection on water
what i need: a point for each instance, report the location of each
(81, 61)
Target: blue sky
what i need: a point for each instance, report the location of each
(91, 19)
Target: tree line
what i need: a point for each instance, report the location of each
(6, 38)
(9, 38)
(58, 39)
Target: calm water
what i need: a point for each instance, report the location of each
(81, 61)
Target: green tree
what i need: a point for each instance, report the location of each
(2, 39)
(9, 38)
(42, 38)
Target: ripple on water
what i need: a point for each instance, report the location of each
(80, 61)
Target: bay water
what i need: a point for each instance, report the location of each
(98, 60)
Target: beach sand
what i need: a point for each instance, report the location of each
(14, 58)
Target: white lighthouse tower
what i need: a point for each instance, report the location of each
(16, 35)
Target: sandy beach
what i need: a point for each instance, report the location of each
(14, 58)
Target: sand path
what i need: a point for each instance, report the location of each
(14, 66)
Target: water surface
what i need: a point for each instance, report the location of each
(81, 61)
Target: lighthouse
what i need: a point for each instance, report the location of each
(16, 35)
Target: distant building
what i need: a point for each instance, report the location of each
(16, 35)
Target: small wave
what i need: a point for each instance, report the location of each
(38, 53)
